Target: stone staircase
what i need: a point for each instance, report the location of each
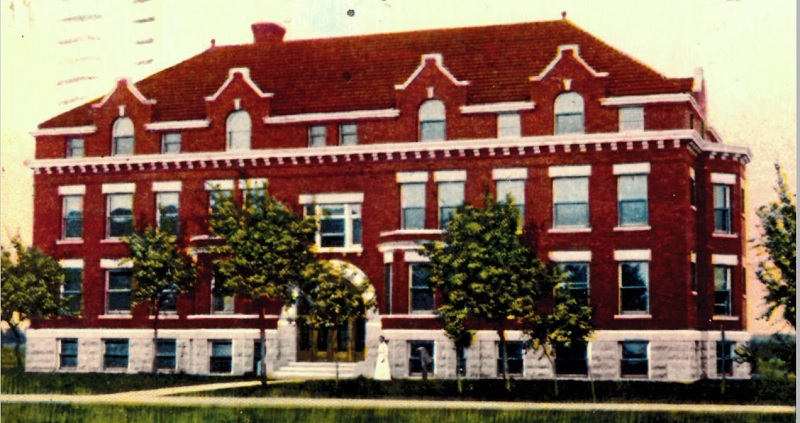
(315, 370)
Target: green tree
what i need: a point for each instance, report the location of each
(31, 288)
(330, 300)
(161, 271)
(777, 271)
(266, 251)
(485, 274)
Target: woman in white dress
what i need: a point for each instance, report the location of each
(382, 371)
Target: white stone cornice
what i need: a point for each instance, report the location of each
(511, 106)
(245, 72)
(131, 87)
(336, 116)
(66, 130)
(178, 124)
(633, 100)
(559, 54)
(439, 62)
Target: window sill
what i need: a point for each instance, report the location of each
(724, 235)
(342, 250)
(69, 241)
(568, 230)
(413, 232)
(111, 241)
(631, 228)
(226, 316)
(194, 238)
(427, 314)
(115, 316)
(632, 316)
(164, 316)
(725, 318)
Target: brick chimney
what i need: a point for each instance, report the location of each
(267, 32)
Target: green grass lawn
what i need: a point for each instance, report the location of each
(14, 380)
(32, 413)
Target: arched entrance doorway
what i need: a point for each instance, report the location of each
(343, 343)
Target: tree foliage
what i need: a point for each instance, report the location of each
(484, 273)
(31, 287)
(330, 298)
(778, 241)
(267, 247)
(158, 266)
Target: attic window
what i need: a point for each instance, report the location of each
(569, 114)
(432, 121)
(238, 128)
(122, 143)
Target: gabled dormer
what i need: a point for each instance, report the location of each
(120, 117)
(234, 109)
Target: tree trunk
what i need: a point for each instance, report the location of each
(555, 376)
(18, 336)
(502, 333)
(263, 337)
(155, 337)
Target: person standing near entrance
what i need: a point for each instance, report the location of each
(382, 370)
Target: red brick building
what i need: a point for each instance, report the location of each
(615, 169)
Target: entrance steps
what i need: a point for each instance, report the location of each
(316, 370)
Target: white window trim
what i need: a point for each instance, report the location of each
(632, 255)
(723, 178)
(123, 188)
(115, 264)
(252, 183)
(632, 168)
(450, 176)
(71, 263)
(167, 186)
(725, 259)
(349, 245)
(569, 171)
(570, 256)
(332, 198)
(510, 173)
(411, 257)
(411, 177)
(222, 184)
(72, 190)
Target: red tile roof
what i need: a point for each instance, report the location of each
(309, 76)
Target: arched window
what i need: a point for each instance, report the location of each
(432, 121)
(122, 144)
(238, 130)
(569, 113)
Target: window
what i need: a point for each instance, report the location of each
(412, 202)
(120, 215)
(461, 361)
(415, 357)
(633, 287)
(123, 137)
(692, 192)
(451, 196)
(171, 143)
(516, 189)
(577, 275)
(339, 226)
(421, 291)
(218, 190)
(432, 123)
(632, 200)
(75, 147)
(722, 290)
(167, 204)
(238, 128)
(631, 118)
(635, 361)
(258, 352)
(71, 290)
(571, 202)
(68, 355)
(387, 287)
(722, 208)
(317, 136)
(118, 293)
(516, 354)
(168, 301)
(508, 125)
(220, 304)
(116, 354)
(72, 225)
(725, 358)
(569, 113)
(693, 271)
(348, 134)
(166, 350)
(572, 360)
(221, 356)
(254, 191)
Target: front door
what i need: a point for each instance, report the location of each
(343, 343)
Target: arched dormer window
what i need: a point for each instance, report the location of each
(122, 144)
(569, 113)
(432, 121)
(238, 130)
